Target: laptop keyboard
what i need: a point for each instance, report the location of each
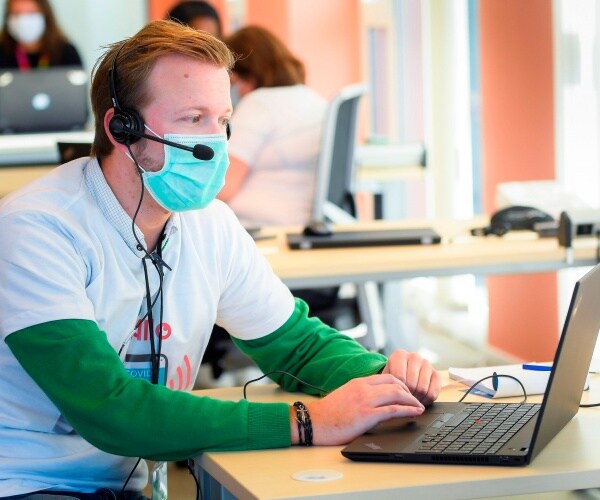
(477, 429)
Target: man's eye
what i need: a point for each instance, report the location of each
(196, 118)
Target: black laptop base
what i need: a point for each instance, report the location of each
(439, 424)
(366, 238)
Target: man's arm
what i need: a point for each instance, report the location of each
(76, 367)
(312, 351)
(358, 397)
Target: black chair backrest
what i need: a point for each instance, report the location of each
(336, 170)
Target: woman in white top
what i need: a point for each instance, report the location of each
(276, 136)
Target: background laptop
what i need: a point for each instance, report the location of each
(43, 100)
(415, 439)
(340, 239)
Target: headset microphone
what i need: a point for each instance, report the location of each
(200, 151)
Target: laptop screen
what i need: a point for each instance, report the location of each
(573, 357)
(43, 100)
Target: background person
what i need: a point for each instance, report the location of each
(199, 15)
(277, 127)
(118, 267)
(31, 38)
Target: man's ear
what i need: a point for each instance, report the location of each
(110, 112)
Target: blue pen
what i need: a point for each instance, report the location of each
(537, 368)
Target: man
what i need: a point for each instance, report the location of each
(114, 269)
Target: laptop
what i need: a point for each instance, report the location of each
(43, 100)
(341, 239)
(433, 437)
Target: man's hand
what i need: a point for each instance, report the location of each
(356, 407)
(417, 373)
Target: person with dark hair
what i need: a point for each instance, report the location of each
(31, 38)
(199, 15)
(119, 265)
(277, 122)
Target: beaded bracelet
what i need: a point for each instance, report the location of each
(305, 432)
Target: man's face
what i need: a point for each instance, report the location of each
(186, 97)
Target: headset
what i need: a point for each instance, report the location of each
(127, 125)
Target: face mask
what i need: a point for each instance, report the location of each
(184, 182)
(26, 28)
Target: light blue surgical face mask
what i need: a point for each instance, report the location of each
(184, 182)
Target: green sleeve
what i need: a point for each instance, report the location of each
(312, 351)
(73, 363)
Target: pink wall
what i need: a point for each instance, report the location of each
(518, 144)
(325, 35)
(517, 92)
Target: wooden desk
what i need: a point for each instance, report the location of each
(459, 253)
(25, 157)
(570, 461)
(515, 253)
(12, 178)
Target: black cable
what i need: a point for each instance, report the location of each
(140, 246)
(137, 325)
(191, 467)
(122, 492)
(154, 369)
(323, 391)
(495, 376)
(161, 307)
(586, 405)
(139, 205)
(157, 263)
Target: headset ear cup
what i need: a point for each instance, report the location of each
(122, 122)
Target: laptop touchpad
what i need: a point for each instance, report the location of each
(442, 412)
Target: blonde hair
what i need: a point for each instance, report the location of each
(133, 59)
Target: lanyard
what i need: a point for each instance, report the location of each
(23, 60)
(156, 259)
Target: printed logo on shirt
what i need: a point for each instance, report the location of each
(142, 334)
(182, 376)
(139, 366)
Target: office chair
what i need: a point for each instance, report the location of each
(334, 202)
